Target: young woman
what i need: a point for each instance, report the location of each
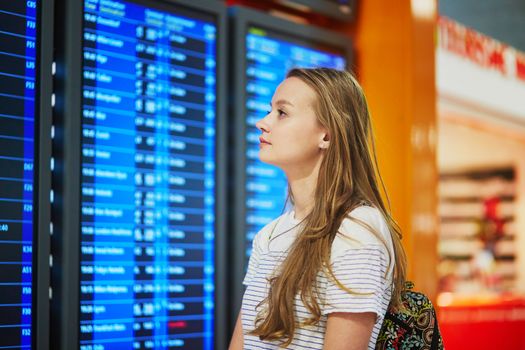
(322, 275)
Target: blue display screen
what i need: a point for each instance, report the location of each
(269, 57)
(148, 177)
(18, 86)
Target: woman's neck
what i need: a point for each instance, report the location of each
(303, 184)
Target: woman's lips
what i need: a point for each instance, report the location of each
(263, 141)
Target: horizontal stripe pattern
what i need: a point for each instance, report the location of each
(362, 269)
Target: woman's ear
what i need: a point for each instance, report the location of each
(325, 142)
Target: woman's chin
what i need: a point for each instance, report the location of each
(265, 158)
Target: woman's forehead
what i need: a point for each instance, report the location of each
(294, 92)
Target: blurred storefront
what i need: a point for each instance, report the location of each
(481, 163)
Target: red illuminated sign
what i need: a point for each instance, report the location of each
(480, 49)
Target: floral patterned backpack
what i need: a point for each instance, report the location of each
(415, 328)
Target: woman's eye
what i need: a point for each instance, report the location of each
(281, 113)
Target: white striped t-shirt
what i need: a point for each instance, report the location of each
(359, 261)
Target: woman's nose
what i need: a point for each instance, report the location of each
(262, 125)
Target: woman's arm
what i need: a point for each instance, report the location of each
(349, 330)
(237, 341)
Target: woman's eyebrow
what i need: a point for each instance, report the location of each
(282, 102)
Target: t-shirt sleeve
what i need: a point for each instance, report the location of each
(363, 271)
(253, 262)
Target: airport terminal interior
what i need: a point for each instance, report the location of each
(130, 182)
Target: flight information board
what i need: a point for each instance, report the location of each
(18, 28)
(148, 176)
(270, 56)
(18, 86)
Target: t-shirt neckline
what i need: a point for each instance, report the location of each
(292, 218)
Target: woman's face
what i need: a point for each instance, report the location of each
(292, 137)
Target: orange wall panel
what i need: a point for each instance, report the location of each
(395, 64)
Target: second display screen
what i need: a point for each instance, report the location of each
(269, 57)
(148, 177)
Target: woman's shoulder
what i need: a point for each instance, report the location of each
(364, 227)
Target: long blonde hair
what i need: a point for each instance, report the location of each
(348, 176)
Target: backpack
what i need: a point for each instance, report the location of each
(415, 328)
